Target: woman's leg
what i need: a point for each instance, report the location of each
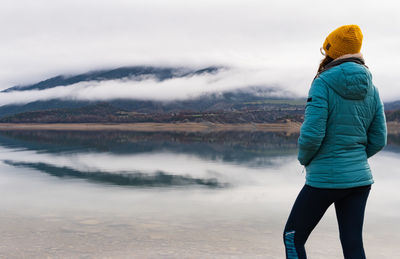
(350, 215)
(308, 209)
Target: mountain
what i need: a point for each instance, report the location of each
(247, 105)
(105, 113)
(133, 73)
(392, 106)
(244, 105)
(393, 115)
(392, 111)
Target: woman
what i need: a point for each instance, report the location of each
(344, 125)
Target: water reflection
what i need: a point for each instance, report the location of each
(144, 159)
(158, 179)
(227, 146)
(152, 159)
(170, 195)
(393, 143)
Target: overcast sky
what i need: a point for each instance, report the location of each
(265, 42)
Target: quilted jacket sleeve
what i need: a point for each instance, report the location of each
(377, 131)
(312, 131)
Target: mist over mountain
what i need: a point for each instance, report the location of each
(221, 99)
(135, 73)
(153, 94)
(132, 73)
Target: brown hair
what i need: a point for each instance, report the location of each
(323, 63)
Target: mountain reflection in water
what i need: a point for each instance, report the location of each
(97, 194)
(224, 145)
(159, 179)
(250, 149)
(253, 149)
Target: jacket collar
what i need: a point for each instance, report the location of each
(356, 58)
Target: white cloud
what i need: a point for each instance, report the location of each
(44, 38)
(152, 89)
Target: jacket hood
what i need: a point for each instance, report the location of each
(349, 79)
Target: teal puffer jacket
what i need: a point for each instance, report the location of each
(344, 125)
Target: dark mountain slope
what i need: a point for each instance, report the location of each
(391, 106)
(133, 73)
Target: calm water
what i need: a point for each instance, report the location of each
(170, 195)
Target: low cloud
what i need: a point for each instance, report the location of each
(180, 88)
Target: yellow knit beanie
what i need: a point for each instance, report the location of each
(346, 39)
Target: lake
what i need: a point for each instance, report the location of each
(114, 194)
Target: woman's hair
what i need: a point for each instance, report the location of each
(323, 63)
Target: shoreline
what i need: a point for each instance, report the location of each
(288, 127)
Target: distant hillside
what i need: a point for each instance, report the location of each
(253, 104)
(392, 111)
(106, 113)
(249, 98)
(391, 106)
(218, 111)
(393, 115)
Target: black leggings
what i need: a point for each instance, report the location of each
(310, 206)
